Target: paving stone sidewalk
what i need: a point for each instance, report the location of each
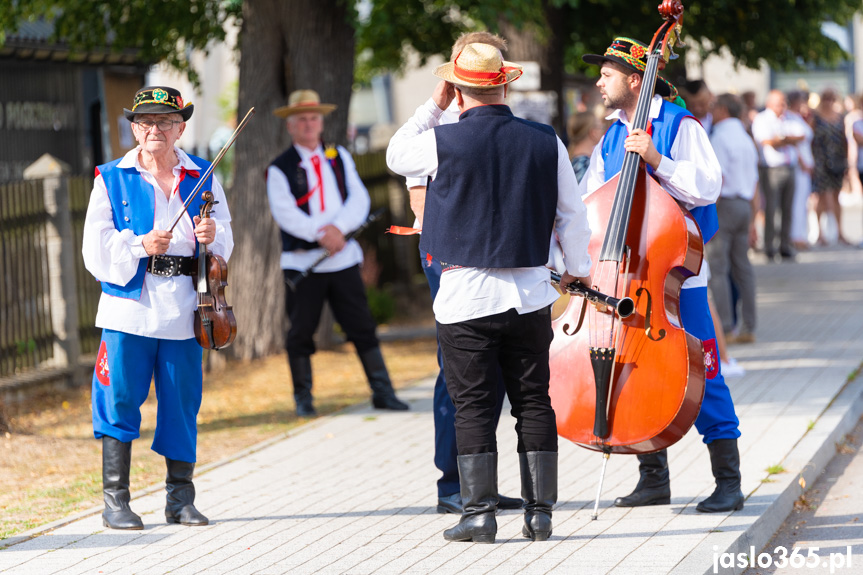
(354, 493)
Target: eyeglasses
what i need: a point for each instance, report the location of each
(163, 125)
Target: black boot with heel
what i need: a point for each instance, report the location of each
(653, 487)
(116, 461)
(725, 463)
(180, 507)
(539, 490)
(478, 478)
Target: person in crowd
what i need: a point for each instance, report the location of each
(830, 151)
(446, 449)
(584, 130)
(699, 100)
(857, 135)
(728, 251)
(799, 118)
(316, 198)
(679, 154)
(148, 301)
(493, 306)
(773, 131)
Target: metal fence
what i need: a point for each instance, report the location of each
(27, 338)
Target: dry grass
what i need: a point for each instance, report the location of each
(50, 465)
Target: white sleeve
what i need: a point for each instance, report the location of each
(283, 206)
(573, 230)
(694, 176)
(223, 245)
(595, 176)
(412, 151)
(109, 254)
(356, 208)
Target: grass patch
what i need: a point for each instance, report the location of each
(774, 469)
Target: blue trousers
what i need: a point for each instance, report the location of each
(717, 419)
(445, 448)
(121, 383)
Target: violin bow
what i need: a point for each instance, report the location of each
(212, 167)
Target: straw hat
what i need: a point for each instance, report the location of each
(479, 66)
(631, 54)
(301, 101)
(159, 100)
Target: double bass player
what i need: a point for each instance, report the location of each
(677, 152)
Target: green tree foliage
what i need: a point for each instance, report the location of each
(785, 33)
(156, 29)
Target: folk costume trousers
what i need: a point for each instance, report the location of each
(518, 345)
(345, 292)
(125, 366)
(445, 446)
(717, 418)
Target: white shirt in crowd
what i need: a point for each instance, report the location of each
(858, 129)
(167, 304)
(347, 217)
(693, 177)
(470, 293)
(768, 126)
(738, 158)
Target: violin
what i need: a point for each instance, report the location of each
(215, 325)
(632, 383)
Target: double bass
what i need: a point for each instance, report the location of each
(632, 384)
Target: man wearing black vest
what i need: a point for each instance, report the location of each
(499, 187)
(316, 197)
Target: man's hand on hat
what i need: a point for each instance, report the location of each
(156, 242)
(331, 238)
(443, 95)
(205, 230)
(641, 143)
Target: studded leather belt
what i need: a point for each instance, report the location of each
(169, 266)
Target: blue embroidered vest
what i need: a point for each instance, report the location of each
(664, 132)
(133, 207)
(494, 200)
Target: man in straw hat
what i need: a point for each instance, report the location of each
(316, 197)
(500, 187)
(678, 154)
(446, 448)
(148, 301)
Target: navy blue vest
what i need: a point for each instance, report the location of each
(494, 200)
(289, 164)
(664, 128)
(133, 207)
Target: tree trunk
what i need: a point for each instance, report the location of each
(284, 46)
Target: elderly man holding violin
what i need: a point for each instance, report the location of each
(140, 238)
(677, 152)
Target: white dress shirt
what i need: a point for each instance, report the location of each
(738, 157)
(167, 304)
(769, 126)
(470, 293)
(692, 175)
(346, 217)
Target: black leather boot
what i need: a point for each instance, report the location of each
(539, 490)
(452, 503)
(301, 375)
(478, 478)
(116, 461)
(383, 395)
(180, 507)
(725, 463)
(653, 486)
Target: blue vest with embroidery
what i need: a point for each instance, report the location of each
(133, 207)
(493, 202)
(664, 132)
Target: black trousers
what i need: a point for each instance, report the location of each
(472, 351)
(345, 292)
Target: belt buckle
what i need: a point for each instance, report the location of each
(166, 266)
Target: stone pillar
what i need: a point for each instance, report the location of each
(61, 259)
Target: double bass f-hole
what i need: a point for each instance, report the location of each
(647, 313)
(215, 325)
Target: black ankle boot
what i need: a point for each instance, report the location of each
(478, 478)
(539, 490)
(653, 484)
(116, 460)
(383, 395)
(180, 507)
(301, 375)
(725, 463)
